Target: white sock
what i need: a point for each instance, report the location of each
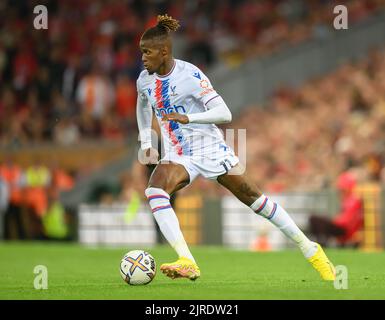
(281, 219)
(167, 220)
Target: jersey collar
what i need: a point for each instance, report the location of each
(168, 74)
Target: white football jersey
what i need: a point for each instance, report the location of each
(186, 90)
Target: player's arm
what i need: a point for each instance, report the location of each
(217, 113)
(144, 118)
(216, 110)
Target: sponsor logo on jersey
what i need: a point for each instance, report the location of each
(160, 112)
(197, 75)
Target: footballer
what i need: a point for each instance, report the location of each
(187, 109)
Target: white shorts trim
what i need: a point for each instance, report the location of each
(210, 165)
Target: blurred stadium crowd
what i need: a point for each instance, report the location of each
(303, 139)
(76, 82)
(29, 198)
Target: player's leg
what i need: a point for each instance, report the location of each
(247, 192)
(166, 179)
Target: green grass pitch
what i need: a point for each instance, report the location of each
(76, 272)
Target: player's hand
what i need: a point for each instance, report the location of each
(174, 116)
(148, 156)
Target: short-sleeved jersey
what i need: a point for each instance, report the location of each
(186, 90)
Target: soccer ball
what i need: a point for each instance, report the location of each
(137, 267)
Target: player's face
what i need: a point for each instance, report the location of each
(152, 55)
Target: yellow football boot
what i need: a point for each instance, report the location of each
(182, 268)
(322, 264)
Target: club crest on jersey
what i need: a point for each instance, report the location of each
(149, 91)
(173, 93)
(160, 112)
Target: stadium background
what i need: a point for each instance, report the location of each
(311, 98)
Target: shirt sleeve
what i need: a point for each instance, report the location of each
(217, 113)
(201, 87)
(144, 119)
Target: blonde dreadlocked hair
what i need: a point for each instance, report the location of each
(168, 22)
(165, 25)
